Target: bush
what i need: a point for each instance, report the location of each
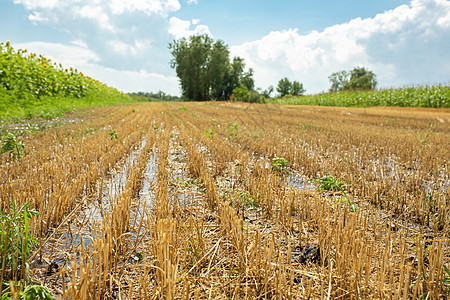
(241, 94)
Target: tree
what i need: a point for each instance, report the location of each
(219, 70)
(204, 68)
(247, 80)
(284, 87)
(358, 78)
(190, 59)
(338, 80)
(361, 78)
(297, 89)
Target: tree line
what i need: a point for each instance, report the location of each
(206, 72)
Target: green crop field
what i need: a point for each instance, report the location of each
(421, 96)
(32, 85)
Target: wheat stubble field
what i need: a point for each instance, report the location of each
(224, 200)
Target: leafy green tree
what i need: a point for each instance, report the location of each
(190, 58)
(297, 88)
(338, 80)
(247, 80)
(284, 87)
(204, 68)
(219, 71)
(361, 79)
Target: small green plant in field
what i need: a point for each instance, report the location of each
(183, 108)
(15, 239)
(113, 135)
(330, 183)
(255, 134)
(209, 133)
(279, 164)
(307, 126)
(156, 127)
(233, 129)
(247, 200)
(424, 140)
(15, 246)
(31, 292)
(446, 280)
(13, 146)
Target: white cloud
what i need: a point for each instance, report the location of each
(147, 6)
(407, 45)
(138, 47)
(192, 2)
(33, 4)
(180, 28)
(97, 14)
(116, 7)
(36, 17)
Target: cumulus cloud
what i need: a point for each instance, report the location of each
(125, 34)
(406, 45)
(180, 28)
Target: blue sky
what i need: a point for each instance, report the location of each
(124, 42)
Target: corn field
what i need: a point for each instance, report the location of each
(225, 200)
(436, 96)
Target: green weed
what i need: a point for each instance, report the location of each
(424, 140)
(113, 134)
(279, 164)
(233, 129)
(330, 183)
(15, 246)
(247, 201)
(29, 293)
(13, 146)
